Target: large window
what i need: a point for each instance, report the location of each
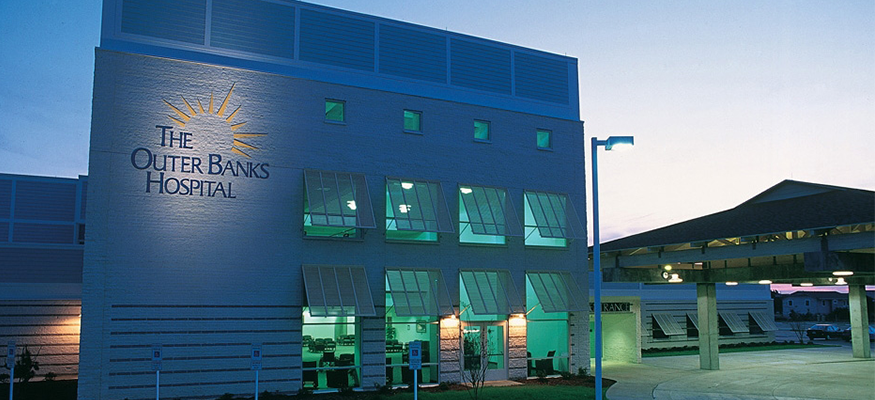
(400, 331)
(550, 219)
(550, 296)
(335, 110)
(336, 204)
(331, 352)
(416, 210)
(486, 215)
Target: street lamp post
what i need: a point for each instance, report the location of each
(611, 143)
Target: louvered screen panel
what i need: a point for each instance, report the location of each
(668, 324)
(336, 40)
(5, 198)
(42, 233)
(413, 54)
(337, 291)
(734, 322)
(180, 20)
(555, 215)
(541, 78)
(480, 66)
(268, 28)
(765, 323)
(490, 211)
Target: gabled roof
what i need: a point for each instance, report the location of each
(785, 207)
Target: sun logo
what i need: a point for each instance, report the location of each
(214, 120)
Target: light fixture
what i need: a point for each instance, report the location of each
(465, 190)
(351, 204)
(842, 273)
(609, 144)
(667, 267)
(765, 282)
(841, 281)
(806, 284)
(675, 278)
(731, 283)
(404, 208)
(407, 185)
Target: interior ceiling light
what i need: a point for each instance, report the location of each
(806, 284)
(765, 282)
(730, 283)
(465, 190)
(842, 273)
(407, 185)
(675, 279)
(841, 281)
(667, 267)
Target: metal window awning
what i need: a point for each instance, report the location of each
(555, 216)
(338, 199)
(490, 211)
(733, 322)
(338, 291)
(694, 318)
(557, 291)
(418, 205)
(762, 319)
(668, 325)
(419, 292)
(491, 292)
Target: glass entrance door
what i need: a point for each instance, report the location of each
(485, 341)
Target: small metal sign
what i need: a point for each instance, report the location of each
(256, 357)
(10, 354)
(415, 355)
(157, 356)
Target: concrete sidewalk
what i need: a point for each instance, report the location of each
(820, 373)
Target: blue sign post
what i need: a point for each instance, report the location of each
(415, 357)
(157, 357)
(255, 364)
(10, 363)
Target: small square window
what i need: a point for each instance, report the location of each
(412, 121)
(334, 111)
(481, 131)
(545, 139)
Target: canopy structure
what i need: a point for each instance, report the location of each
(795, 232)
(338, 291)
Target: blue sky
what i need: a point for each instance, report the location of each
(724, 98)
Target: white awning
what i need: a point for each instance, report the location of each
(419, 292)
(766, 323)
(418, 205)
(694, 318)
(733, 322)
(490, 211)
(491, 292)
(557, 291)
(668, 325)
(339, 199)
(338, 291)
(554, 215)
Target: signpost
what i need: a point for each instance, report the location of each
(157, 356)
(255, 364)
(415, 357)
(10, 363)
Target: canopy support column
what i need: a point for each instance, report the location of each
(859, 321)
(709, 332)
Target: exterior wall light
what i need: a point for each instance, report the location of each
(841, 281)
(675, 278)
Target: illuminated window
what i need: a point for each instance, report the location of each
(334, 111)
(550, 219)
(336, 204)
(545, 139)
(482, 133)
(412, 121)
(486, 215)
(415, 210)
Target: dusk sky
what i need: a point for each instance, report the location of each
(724, 98)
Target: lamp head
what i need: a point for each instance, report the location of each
(619, 142)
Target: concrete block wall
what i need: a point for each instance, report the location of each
(517, 363)
(578, 328)
(450, 359)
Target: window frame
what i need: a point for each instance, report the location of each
(342, 120)
(488, 131)
(413, 131)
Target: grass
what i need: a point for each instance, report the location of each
(540, 392)
(692, 352)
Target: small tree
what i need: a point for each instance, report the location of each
(798, 325)
(475, 360)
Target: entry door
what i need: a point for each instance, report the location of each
(494, 335)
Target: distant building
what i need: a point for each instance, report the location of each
(819, 304)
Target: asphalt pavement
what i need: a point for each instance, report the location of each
(828, 373)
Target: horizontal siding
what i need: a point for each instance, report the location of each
(336, 40)
(5, 198)
(49, 201)
(180, 20)
(541, 78)
(480, 66)
(255, 26)
(4, 232)
(26, 265)
(42, 233)
(49, 329)
(413, 54)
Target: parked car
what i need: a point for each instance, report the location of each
(825, 331)
(846, 334)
